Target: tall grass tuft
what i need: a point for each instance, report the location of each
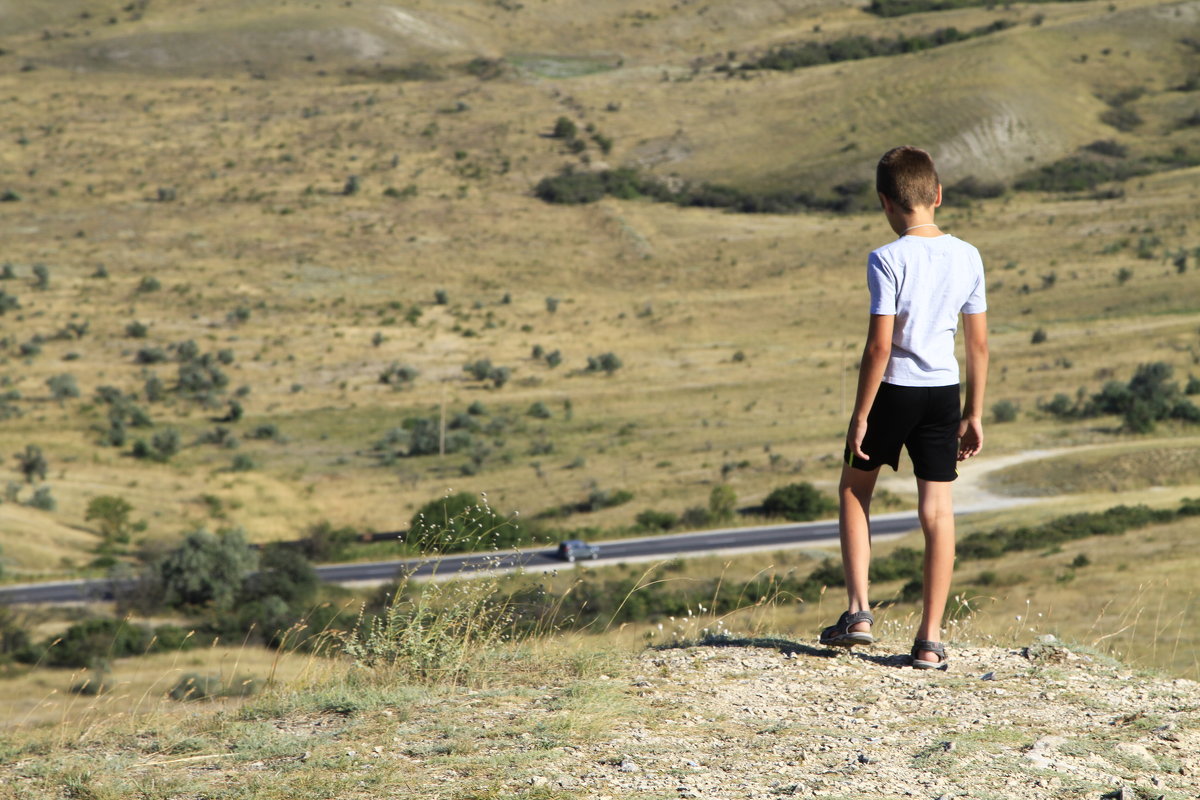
(436, 631)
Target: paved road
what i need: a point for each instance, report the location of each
(646, 549)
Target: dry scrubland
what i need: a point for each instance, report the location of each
(284, 183)
(207, 146)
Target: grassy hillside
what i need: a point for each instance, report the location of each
(315, 196)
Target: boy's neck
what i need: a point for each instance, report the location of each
(915, 222)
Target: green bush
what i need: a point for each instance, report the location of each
(607, 363)
(798, 502)
(1004, 411)
(722, 502)
(652, 520)
(461, 523)
(92, 641)
(205, 570)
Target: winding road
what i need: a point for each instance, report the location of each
(971, 495)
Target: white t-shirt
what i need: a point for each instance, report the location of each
(926, 282)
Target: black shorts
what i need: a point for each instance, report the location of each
(924, 419)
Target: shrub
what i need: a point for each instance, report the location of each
(539, 410)
(606, 362)
(42, 499)
(137, 330)
(461, 523)
(267, 430)
(63, 387)
(150, 355)
(652, 520)
(564, 128)
(8, 303)
(92, 642)
(148, 284)
(242, 463)
(1004, 411)
(112, 513)
(798, 502)
(41, 276)
(31, 463)
(323, 542)
(399, 376)
(1038, 337)
(722, 502)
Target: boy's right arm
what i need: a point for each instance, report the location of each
(870, 372)
(970, 430)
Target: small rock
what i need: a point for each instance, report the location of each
(627, 765)
(948, 746)
(538, 780)
(692, 763)
(863, 758)
(988, 676)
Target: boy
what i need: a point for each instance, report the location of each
(908, 392)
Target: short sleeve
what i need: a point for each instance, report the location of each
(882, 285)
(977, 301)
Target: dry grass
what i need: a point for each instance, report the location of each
(260, 223)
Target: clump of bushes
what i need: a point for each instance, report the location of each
(852, 48)
(608, 363)
(1148, 398)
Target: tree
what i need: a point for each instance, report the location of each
(205, 570)
(31, 463)
(112, 513)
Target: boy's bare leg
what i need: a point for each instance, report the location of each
(935, 507)
(854, 495)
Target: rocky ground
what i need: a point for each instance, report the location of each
(752, 721)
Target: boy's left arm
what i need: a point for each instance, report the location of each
(970, 430)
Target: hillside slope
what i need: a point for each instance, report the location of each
(734, 719)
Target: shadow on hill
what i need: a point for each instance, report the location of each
(787, 648)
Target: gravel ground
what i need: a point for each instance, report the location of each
(766, 720)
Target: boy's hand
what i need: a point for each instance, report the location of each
(970, 437)
(855, 436)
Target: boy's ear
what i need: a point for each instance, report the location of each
(938, 202)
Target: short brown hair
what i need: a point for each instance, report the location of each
(907, 177)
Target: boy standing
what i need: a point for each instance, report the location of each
(908, 392)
